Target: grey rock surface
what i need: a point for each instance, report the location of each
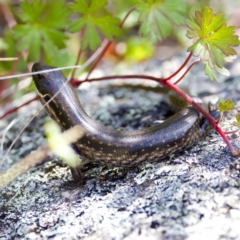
(193, 194)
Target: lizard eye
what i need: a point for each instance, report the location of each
(40, 76)
(46, 98)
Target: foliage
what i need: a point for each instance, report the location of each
(41, 27)
(157, 17)
(92, 20)
(228, 105)
(41, 30)
(213, 41)
(225, 105)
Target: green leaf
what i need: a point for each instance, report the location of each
(159, 16)
(77, 25)
(210, 73)
(80, 6)
(213, 41)
(238, 120)
(91, 33)
(108, 26)
(54, 36)
(95, 5)
(42, 21)
(57, 57)
(225, 105)
(95, 21)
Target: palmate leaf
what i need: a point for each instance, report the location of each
(225, 105)
(158, 16)
(94, 22)
(213, 41)
(42, 21)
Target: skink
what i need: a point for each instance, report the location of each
(106, 146)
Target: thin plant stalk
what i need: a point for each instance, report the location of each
(78, 56)
(108, 44)
(188, 69)
(183, 65)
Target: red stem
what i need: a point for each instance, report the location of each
(188, 69)
(128, 13)
(213, 122)
(123, 77)
(183, 65)
(78, 58)
(16, 108)
(231, 132)
(108, 44)
(99, 58)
